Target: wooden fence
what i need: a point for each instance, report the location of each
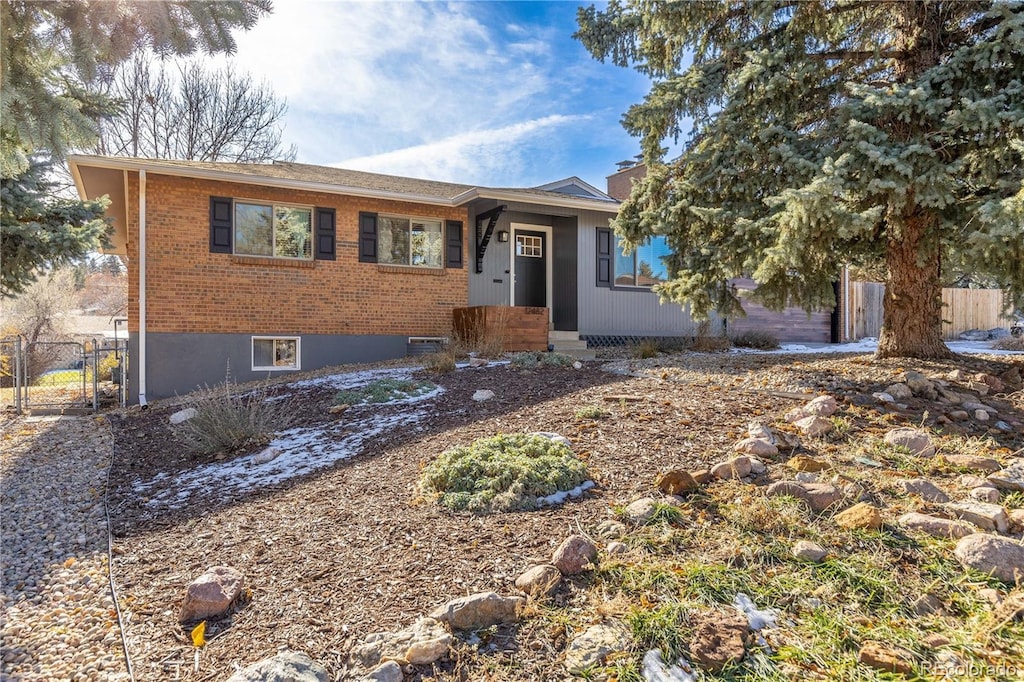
(962, 309)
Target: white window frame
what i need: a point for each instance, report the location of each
(273, 234)
(276, 368)
(412, 219)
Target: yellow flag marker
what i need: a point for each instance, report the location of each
(199, 635)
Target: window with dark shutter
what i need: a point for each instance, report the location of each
(367, 237)
(325, 234)
(604, 257)
(453, 243)
(220, 225)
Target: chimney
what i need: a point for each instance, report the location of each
(620, 183)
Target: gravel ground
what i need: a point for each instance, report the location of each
(59, 620)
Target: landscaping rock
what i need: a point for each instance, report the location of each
(807, 477)
(616, 547)
(935, 526)
(984, 493)
(757, 467)
(482, 395)
(818, 496)
(1002, 558)
(760, 431)
(1016, 520)
(756, 446)
(958, 416)
(385, 672)
(883, 397)
(654, 669)
(926, 605)
(822, 406)
(702, 476)
(287, 666)
(211, 594)
(981, 415)
(981, 514)
(609, 529)
(677, 482)
(924, 489)
(265, 456)
(737, 467)
(814, 426)
(422, 643)
(971, 406)
(338, 409)
(900, 392)
(594, 646)
(1011, 478)
(915, 440)
(182, 416)
(787, 441)
(477, 362)
(539, 581)
(805, 463)
(805, 550)
(861, 515)
(976, 462)
(481, 610)
(935, 641)
(640, 511)
(575, 555)
(719, 639)
(920, 385)
(968, 481)
(881, 656)
(554, 437)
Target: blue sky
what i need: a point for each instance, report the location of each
(491, 93)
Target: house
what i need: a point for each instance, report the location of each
(271, 268)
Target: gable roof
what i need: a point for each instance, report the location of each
(576, 187)
(338, 181)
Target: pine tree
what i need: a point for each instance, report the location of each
(827, 133)
(52, 58)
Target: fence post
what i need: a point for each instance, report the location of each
(17, 374)
(95, 376)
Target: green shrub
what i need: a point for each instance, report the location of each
(760, 340)
(532, 359)
(229, 422)
(591, 412)
(507, 472)
(383, 391)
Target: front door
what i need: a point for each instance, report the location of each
(531, 268)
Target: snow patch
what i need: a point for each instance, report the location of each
(563, 495)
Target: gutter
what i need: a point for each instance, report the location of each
(142, 288)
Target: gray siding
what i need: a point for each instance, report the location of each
(492, 286)
(181, 363)
(629, 312)
(565, 294)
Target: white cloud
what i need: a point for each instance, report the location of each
(477, 157)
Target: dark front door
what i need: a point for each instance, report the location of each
(531, 268)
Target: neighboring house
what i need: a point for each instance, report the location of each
(270, 268)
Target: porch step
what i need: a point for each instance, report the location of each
(578, 353)
(569, 343)
(554, 336)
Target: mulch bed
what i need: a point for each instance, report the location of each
(334, 556)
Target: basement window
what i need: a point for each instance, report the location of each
(273, 353)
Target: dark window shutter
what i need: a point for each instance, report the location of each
(453, 243)
(220, 225)
(604, 257)
(325, 234)
(367, 237)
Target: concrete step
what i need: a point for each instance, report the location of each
(568, 345)
(554, 336)
(579, 353)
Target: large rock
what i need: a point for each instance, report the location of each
(481, 610)
(818, 496)
(760, 431)
(610, 530)
(759, 447)
(677, 482)
(860, 516)
(388, 671)
(640, 511)
(575, 555)
(211, 594)
(539, 581)
(182, 416)
(885, 657)
(822, 406)
(719, 640)
(900, 392)
(737, 467)
(592, 647)
(984, 493)
(805, 550)
(814, 426)
(924, 489)
(981, 514)
(935, 526)
(288, 666)
(1003, 558)
(1010, 478)
(920, 385)
(424, 642)
(915, 440)
(806, 463)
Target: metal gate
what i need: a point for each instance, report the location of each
(62, 376)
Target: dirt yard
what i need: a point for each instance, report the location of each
(337, 553)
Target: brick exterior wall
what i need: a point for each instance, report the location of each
(620, 184)
(191, 290)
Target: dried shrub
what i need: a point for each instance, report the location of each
(473, 336)
(760, 340)
(507, 472)
(441, 362)
(1009, 343)
(230, 422)
(709, 344)
(645, 348)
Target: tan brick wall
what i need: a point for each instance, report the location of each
(194, 291)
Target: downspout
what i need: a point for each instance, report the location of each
(142, 288)
(846, 304)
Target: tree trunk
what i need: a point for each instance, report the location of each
(912, 310)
